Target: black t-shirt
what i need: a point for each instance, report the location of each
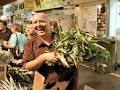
(5, 35)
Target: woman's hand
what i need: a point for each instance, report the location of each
(5, 43)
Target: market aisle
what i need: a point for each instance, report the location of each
(97, 81)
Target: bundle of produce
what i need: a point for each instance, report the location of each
(75, 45)
(10, 84)
(5, 56)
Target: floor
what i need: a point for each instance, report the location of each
(110, 81)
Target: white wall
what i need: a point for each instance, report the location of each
(118, 14)
(114, 19)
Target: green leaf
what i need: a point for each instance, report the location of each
(63, 60)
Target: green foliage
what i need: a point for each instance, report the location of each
(24, 77)
(74, 45)
(5, 56)
(11, 85)
(19, 78)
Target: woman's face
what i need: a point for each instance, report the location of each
(2, 26)
(30, 29)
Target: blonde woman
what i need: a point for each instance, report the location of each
(30, 30)
(17, 40)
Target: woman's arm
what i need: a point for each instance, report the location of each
(12, 41)
(8, 45)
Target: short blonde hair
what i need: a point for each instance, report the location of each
(17, 27)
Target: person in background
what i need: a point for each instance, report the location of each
(30, 30)
(4, 32)
(54, 77)
(17, 39)
(54, 26)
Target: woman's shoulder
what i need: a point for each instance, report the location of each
(20, 34)
(13, 35)
(16, 33)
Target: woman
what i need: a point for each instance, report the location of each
(29, 30)
(16, 41)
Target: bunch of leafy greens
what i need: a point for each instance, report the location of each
(17, 78)
(11, 85)
(5, 56)
(24, 77)
(75, 45)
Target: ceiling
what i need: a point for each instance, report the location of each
(3, 2)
